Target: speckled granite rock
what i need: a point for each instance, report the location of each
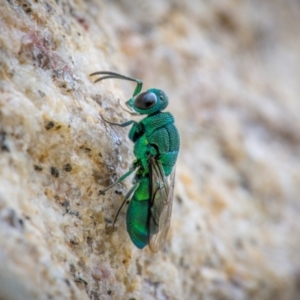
(231, 69)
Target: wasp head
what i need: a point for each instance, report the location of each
(149, 102)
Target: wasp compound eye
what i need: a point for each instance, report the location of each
(145, 100)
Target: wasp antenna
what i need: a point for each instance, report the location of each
(105, 77)
(113, 75)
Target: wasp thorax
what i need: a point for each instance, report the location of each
(145, 100)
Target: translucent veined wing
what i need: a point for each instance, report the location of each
(162, 189)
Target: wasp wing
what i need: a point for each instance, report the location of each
(162, 189)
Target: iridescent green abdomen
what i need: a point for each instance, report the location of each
(138, 214)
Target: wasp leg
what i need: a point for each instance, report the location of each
(127, 196)
(128, 111)
(132, 169)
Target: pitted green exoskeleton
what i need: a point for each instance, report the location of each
(156, 146)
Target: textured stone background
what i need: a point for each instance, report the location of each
(231, 69)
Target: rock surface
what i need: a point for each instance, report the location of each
(231, 69)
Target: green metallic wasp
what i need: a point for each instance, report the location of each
(156, 146)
